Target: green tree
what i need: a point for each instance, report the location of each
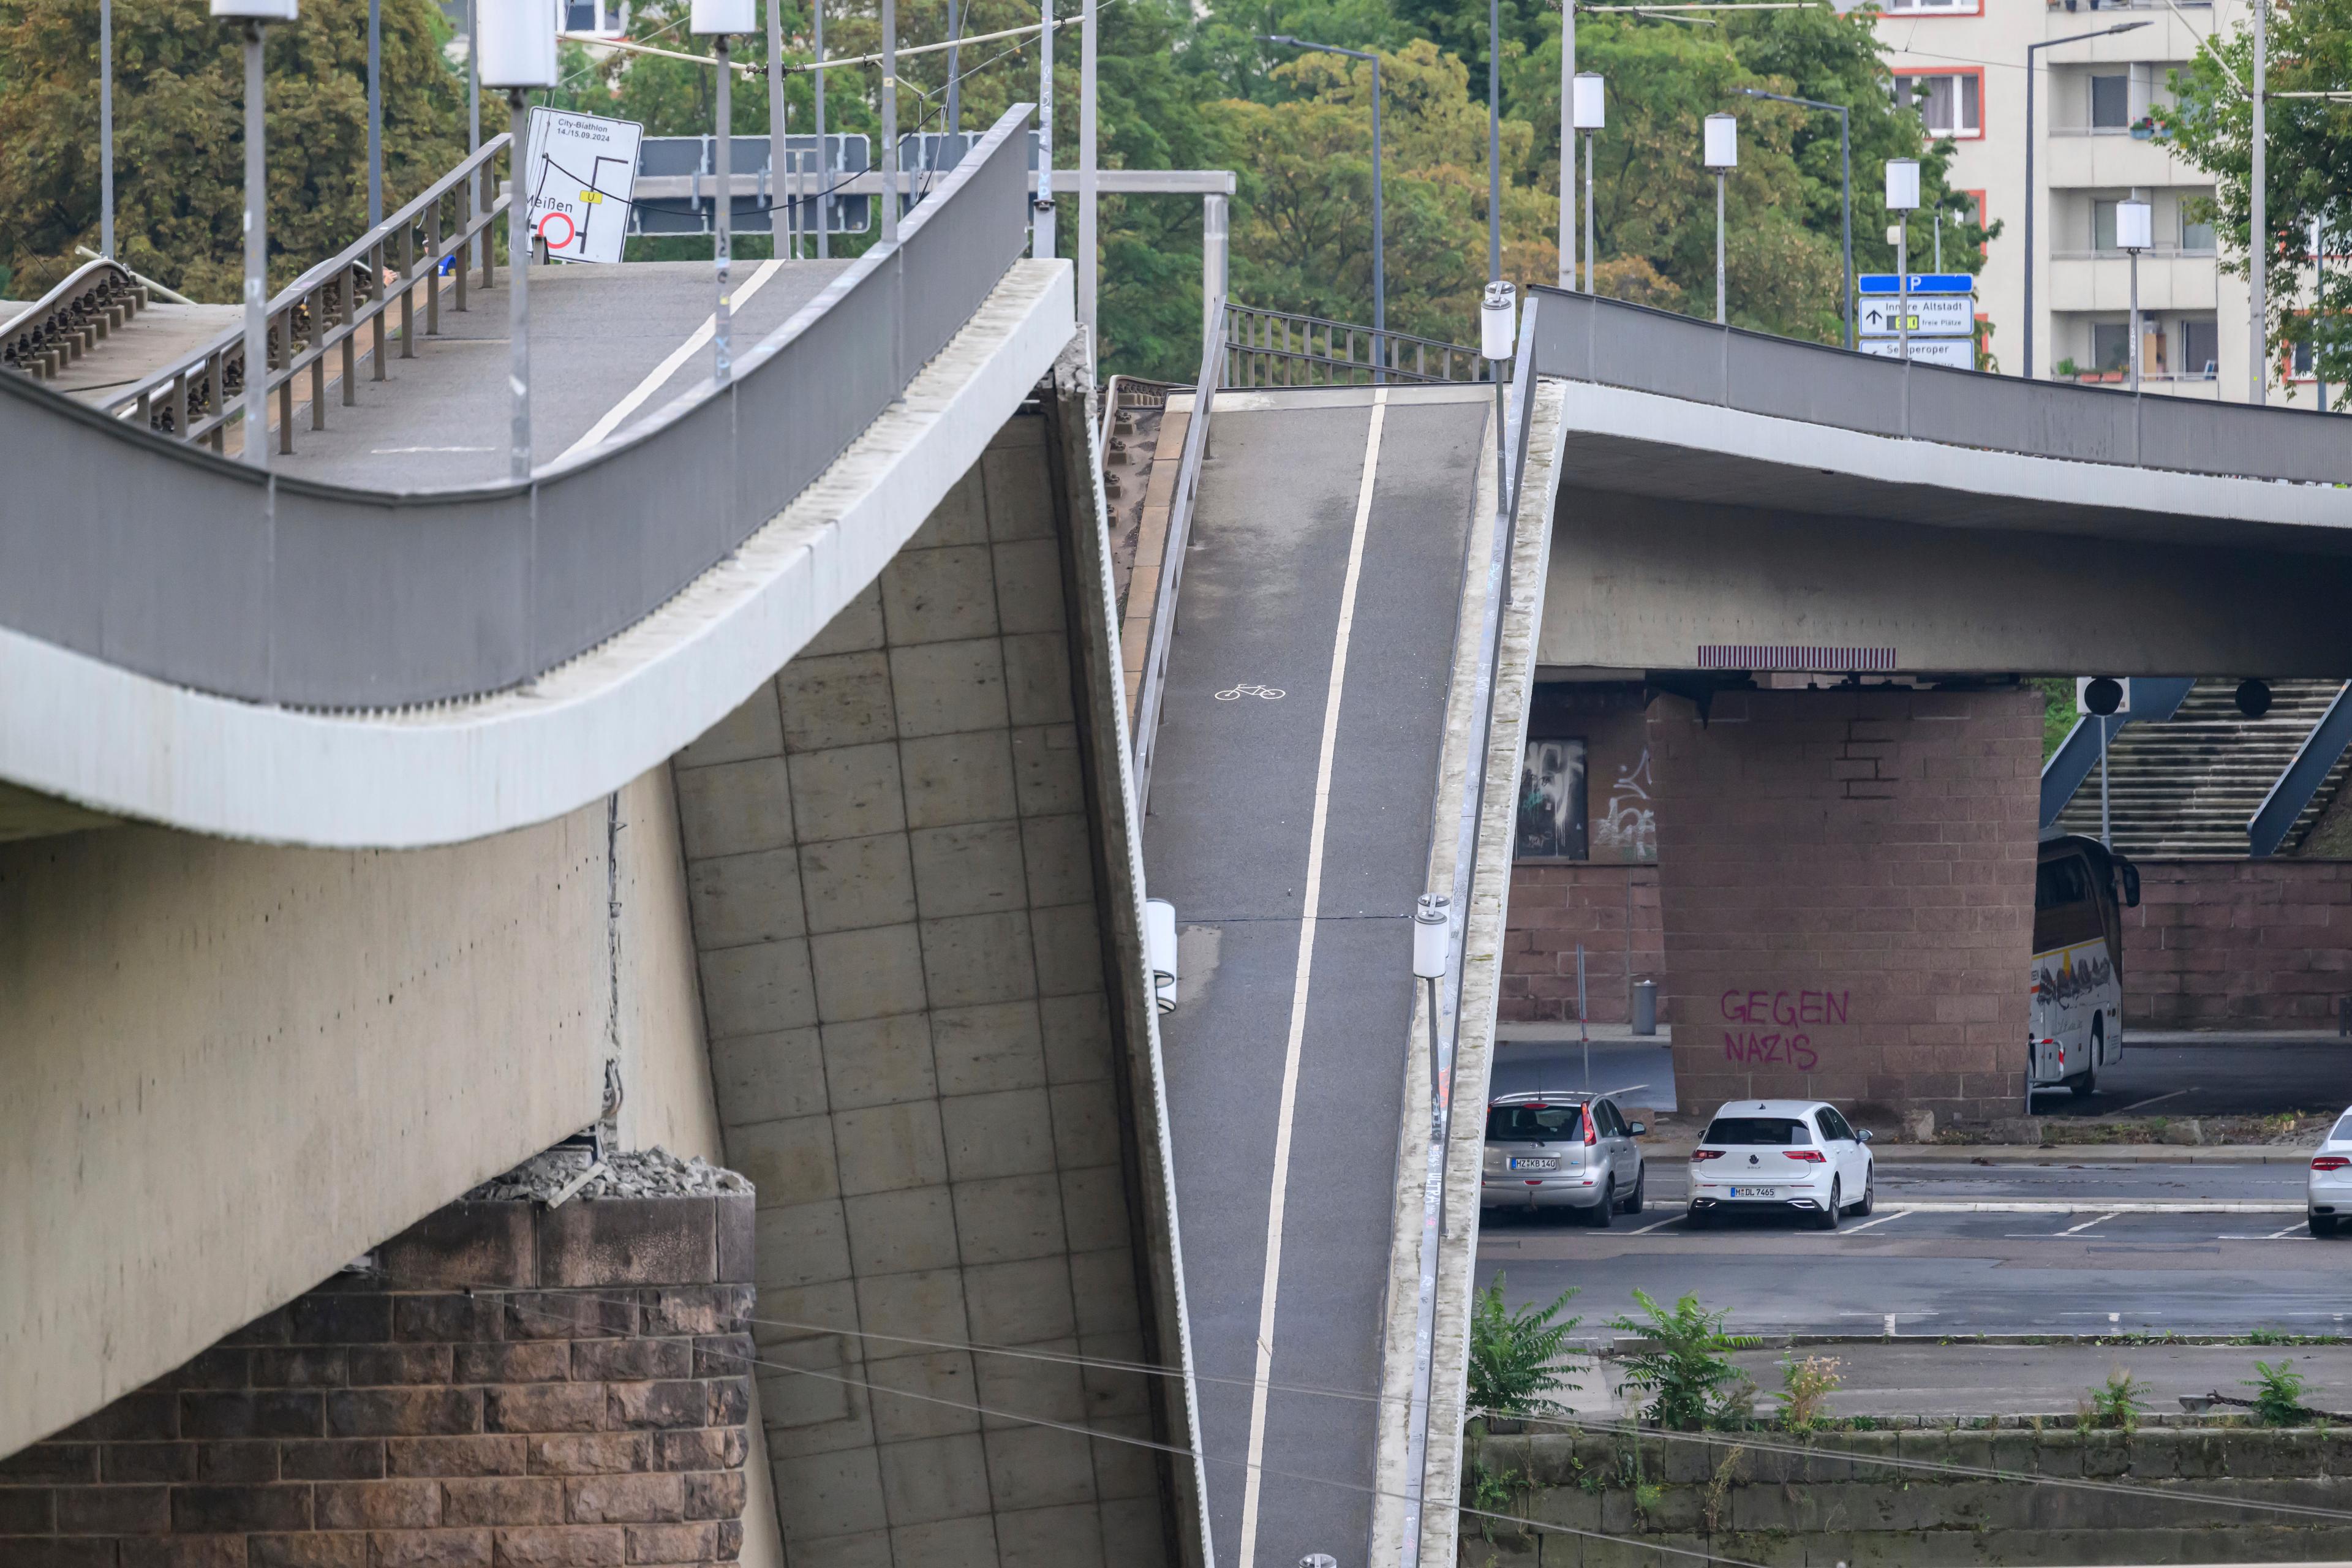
(2307, 174)
(179, 158)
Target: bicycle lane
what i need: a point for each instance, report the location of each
(1283, 511)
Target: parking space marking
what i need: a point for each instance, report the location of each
(2158, 1100)
(1659, 1225)
(1882, 1219)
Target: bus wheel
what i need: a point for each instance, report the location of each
(2087, 1085)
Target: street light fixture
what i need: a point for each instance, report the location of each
(718, 20)
(256, 14)
(2030, 373)
(1498, 324)
(519, 53)
(1380, 246)
(1721, 146)
(1589, 114)
(2135, 232)
(1432, 932)
(1845, 163)
(1903, 198)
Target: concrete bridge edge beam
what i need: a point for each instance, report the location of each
(1103, 730)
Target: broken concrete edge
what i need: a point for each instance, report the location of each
(1544, 445)
(1393, 1449)
(1115, 822)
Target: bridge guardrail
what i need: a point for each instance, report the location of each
(1614, 344)
(1151, 691)
(68, 320)
(323, 308)
(1260, 351)
(174, 562)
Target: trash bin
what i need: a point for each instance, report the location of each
(1645, 1007)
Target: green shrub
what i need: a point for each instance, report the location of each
(1513, 1354)
(1685, 1369)
(2278, 1393)
(2117, 1405)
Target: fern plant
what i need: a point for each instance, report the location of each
(2278, 1393)
(1514, 1354)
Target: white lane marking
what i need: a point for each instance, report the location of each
(1659, 1225)
(2092, 1205)
(1890, 1325)
(405, 451)
(2160, 1099)
(2086, 1224)
(1882, 1219)
(1291, 1051)
(1629, 1089)
(695, 342)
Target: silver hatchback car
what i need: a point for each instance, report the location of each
(1572, 1152)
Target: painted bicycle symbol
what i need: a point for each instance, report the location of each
(1270, 693)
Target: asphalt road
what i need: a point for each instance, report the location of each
(440, 419)
(2023, 1271)
(1232, 807)
(2245, 1079)
(2214, 1080)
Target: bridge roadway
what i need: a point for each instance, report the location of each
(599, 336)
(1263, 1062)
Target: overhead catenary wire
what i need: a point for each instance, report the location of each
(1615, 1425)
(756, 69)
(1097, 1435)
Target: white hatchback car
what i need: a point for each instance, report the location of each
(1785, 1155)
(2328, 1201)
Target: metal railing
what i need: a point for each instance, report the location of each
(1279, 348)
(1152, 689)
(269, 587)
(1612, 343)
(70, 321)
(198, 396)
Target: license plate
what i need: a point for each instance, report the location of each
(1531, 1164)
(1755, 1191)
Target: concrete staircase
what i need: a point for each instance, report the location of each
(2187, 786)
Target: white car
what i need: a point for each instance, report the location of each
(1787, 1156)
(2328, 1200)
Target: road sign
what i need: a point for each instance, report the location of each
(1921, 284)
(580, 172)
(1957, 352)
(809, 175)
(1932, 316)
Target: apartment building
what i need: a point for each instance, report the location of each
(1964, 64)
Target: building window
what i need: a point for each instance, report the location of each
(1552, 813)
(606, 18)
(2110, 102)
(1951, 104)
(2111, 346)
(2196, 238)
(2200, 346)
(2103, 226)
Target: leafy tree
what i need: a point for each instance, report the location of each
(179, 117)
(2307, 174)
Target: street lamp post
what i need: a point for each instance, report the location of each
(2030, 373)
(1903, 200)
(256, 14)
(1845, 164)
(375, 112)
(2259, 229)
(1721, 146)
(2135, 231)
(889, 122)
(1041, 210)
(2318, 303)
(1495, 139)
(106, 129)
(720, 20)
(1567, 145)
(1379, 238)
(1590, 116)
(517, 38)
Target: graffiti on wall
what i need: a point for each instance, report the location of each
(1776, 1020)
(1630, 828)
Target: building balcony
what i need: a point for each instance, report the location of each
(2101, 281)
(2079, 158)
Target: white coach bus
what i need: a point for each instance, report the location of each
(2075, 1025)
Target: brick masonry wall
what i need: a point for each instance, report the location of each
(2249, 944)
(510, 1389)
(895, 911)
(1847, 886)
(1613, 910)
